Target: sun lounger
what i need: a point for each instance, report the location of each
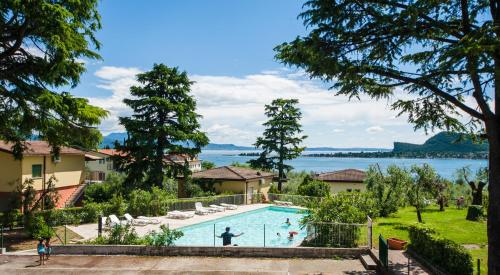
(229, 206)
(179, 215)
(217, 207)
(138, 221)
(113, 221)
(149, 220)
(200, 210)
(283, 203)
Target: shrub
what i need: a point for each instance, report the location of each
(139, 201)
(166, 236)
(313, 188)
(444, 253)
(103, 192)
(474, 212)
(36, 227)
(119, 234)
(116, 206)
(90, 212)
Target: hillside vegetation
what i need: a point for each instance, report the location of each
(442, 142)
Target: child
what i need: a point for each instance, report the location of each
(290, 236)
(41, 251)
(287, 222)
(48, 249)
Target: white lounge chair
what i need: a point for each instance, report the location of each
(113, 220)
(229, 206)
(149, 220)
(218, 208)
(138, 221)
(200, 210)
(283, 203)
(179, 215)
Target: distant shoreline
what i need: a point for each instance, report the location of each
(400, 155)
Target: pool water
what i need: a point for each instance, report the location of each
(251, 223)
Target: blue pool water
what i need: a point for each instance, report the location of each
(252, 224)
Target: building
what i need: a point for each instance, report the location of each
(39, 164)
(233, 179)
(103, 165)
(350, 180)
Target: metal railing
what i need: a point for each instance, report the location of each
(341, 235)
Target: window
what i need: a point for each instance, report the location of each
(101, 161)
(349, 190)
(357, 190)
(36, 171)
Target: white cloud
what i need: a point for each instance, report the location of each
(233, 108)
(374, 129)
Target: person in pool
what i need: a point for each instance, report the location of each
(287, 222)
(40, 248)
(290, 236)
(227, 236)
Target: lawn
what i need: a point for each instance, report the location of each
(451, 224)
(18, 239)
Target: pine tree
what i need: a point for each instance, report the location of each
(281, 139)
(164, 121)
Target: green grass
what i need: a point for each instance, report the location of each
(451, 224)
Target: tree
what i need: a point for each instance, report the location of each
(442, 192)
(281, 139)
(424, 178)
(313, 188)
(164, 121)
(206, 165)
(388, 189)
(41, 47)
(444, 54)
(476, 184)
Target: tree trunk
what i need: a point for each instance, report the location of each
(441, 204)
(493, 131)
(419, 215)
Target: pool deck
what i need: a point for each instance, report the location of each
(89, 231)
(177, 265)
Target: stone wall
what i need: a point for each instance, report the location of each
(232, 251)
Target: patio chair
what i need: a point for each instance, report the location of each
(217, 207)
(132, 221)
(179, 215)
(200, 210)
(113, 221)
(149, 220)
(229, 206)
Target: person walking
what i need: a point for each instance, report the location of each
(41, 251)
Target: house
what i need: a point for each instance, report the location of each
(99, 168)
(38, 163)
(238, 180)
(344, 180)
(103, 165)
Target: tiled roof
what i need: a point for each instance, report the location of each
(347, 175)
(39, 148)
(231, 173)
(179, 158)
(111, 152)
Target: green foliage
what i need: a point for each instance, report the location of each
(37, 228)
(103, 192)
(443, 142)
(474, 212)
(444, 253)
(166, 236)
(164, 118)
(420, 191)
(239, 164)
(343, 207)
(117, 205)
(205, 165)
(313, 188)
(281, 138)
(477, 183)
(273, 189)
(138, 202)
(293, 182)
(119, 235)
(388, 190)
(42, 43)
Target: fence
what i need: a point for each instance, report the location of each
(297, 200)
(339, 235)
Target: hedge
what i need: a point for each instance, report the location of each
(443, 253)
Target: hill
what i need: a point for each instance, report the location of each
(442, 142)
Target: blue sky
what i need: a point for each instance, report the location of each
(227, 49)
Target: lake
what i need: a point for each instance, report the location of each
(445, 167)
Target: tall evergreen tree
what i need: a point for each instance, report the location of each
(444, 54)
(281, 139)
(41, 44)
(164, 121)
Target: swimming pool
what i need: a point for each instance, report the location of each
(252, 223)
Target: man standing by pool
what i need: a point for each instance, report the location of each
(226, 236)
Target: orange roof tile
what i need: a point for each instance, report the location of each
(39, 148)
(231, 173)
(347, 175)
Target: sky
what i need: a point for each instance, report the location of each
(226, 47)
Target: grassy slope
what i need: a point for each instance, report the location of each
(451, 224)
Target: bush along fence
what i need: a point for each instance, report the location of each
(345, 235)
(446, 255)
(296, 200)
